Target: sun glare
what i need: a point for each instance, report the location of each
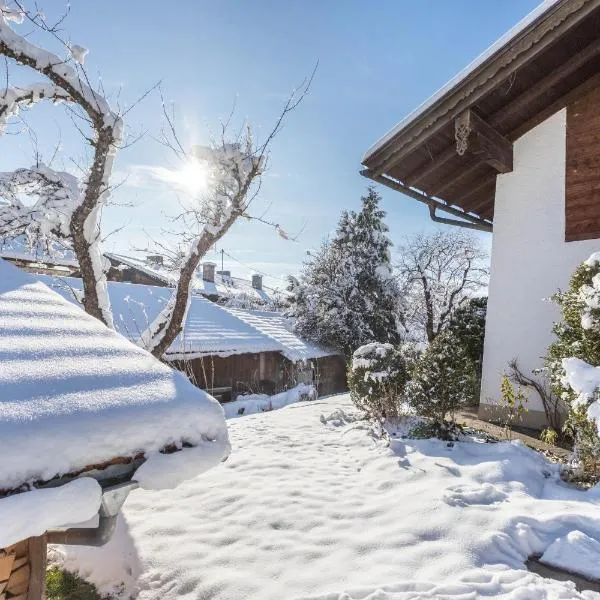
(193, 177)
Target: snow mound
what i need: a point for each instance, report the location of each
(86, 395)
(506, 585)
(576, 552)
(465, 495)
(256, 403)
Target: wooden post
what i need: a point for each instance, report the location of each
(23, 570)
(37, 562)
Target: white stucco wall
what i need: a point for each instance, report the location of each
(530, 258)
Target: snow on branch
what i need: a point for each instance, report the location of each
(55, 194)
(12, 98)
(67, 82)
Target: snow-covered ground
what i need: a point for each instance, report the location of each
(312, 504)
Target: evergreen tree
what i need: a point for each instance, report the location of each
(346, 295)
(447, 376)
(467, 330)
(443, 380)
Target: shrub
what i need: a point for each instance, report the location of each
(62, 585)
(376, 379)
(513, 403)
(443, 380)
(578, 337)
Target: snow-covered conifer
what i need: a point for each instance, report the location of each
(346, 295)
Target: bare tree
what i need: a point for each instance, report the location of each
(65, 206)
(233, 169)
(437, 272)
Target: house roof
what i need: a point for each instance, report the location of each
(20, 248)
(74, 393)
(537, 68)
(222, 287)
(210, 329)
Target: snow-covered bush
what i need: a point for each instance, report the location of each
(376, 379)
(443, 380)
(572, 361)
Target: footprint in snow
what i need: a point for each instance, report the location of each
(468, 495)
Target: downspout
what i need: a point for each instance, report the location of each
(455, 222)
(113, 498)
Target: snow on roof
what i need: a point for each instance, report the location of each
(276, 326)
(498, 45)
(21, 248)
(210, 329)
(75, 393)
(223, 286)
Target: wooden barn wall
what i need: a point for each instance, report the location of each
(582, 184)
(331, 375)
(267, 372)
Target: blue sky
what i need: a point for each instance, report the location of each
(378, 60)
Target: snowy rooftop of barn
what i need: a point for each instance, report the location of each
(223, 286)
(74, 393)
(210, 329)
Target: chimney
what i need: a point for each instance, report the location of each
(208, 271)
(257, 282)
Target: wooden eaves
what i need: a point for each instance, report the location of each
(448, 154)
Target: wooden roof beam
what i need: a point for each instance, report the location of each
(422, 174)
(477, 137)
(590, 52)
(456, 178)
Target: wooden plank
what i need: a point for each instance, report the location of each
(6, 566)
(582, 180)
(17, 579)
(19, 562)
(37, 562)
(455, 179)
(423, 173)
(19, 549)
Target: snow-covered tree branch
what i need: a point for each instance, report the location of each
(233, 171)
(64, 206)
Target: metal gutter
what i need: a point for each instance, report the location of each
(113, 498)
(467, 221)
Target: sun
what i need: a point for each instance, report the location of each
(193, 177)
